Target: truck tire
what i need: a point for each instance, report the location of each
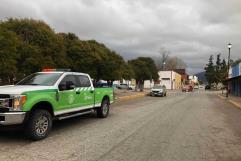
(103, 111)
(39, 124)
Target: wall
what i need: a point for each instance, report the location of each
(148, 84)
(236, 70)
(178, 81)
(235, 80)
(170, 79)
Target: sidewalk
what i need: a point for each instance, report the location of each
(236, 101)
(122, 95)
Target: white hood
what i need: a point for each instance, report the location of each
(157, 89)
(14, 90)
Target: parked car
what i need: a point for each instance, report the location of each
(44, 96)
(158, 90)
(201, 87)
(124, 86)
(207, 87)
(196, 87)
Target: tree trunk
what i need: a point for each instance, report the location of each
(141, 85)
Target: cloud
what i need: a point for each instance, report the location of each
(191, 30)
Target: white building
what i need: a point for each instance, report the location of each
(170, 79)
(148, 84)
(193, 78)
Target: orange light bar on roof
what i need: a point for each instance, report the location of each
(55, 70)
(48, 70)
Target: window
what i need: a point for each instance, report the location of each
(67, 83)
(41, 79)
(84, 81)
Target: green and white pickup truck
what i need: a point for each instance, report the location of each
(44, 96)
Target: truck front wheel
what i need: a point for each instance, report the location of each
(39, 124)
(103, 111)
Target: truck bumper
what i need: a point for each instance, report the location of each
(12, 118)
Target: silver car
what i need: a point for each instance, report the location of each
(158, 90)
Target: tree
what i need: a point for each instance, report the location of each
(8, 55)
(27, 46)
(40, 47)
(144, 69)
(166, 62)
(216, 73)
(175, 63)
(217, 77)
(210, 70)
(224, 71)
(93, 58)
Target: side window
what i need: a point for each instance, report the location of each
(84, 81)
(67, 83)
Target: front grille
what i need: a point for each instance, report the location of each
(2, 118)
(5, 102)
(4, 96)
(4, 109)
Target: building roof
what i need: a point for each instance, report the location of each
(180, 71)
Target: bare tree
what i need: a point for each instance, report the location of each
(166, 62)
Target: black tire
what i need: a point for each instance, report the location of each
(39, 124)
(103, 111)
(165, 94)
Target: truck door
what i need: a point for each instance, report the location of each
(68, 98)
(86, 91)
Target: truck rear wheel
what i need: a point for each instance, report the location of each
(103, 111)
(39, 124)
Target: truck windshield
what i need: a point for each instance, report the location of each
(41, 79)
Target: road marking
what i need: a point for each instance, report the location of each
(230, 101)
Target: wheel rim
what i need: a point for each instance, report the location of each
(105, 108)
(42, 125)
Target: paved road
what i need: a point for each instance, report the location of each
(180, 127)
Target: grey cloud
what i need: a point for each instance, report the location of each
(191, 30)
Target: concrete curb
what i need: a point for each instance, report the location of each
(125, 98)
(235, 103)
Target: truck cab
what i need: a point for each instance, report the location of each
(44, 96)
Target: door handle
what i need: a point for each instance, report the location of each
(77, 92)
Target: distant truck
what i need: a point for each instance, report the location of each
(44, 96)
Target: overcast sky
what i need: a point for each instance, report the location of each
(190, 29)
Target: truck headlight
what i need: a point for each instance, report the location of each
(18, 102)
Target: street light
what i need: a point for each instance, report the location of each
(229, 48)
(164, 63)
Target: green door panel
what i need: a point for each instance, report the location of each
(85, 96)
(68, 99)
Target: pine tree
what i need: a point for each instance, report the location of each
(218, 74)
(224, 70)
(210, 70)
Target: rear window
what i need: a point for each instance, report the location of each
(84, 81)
